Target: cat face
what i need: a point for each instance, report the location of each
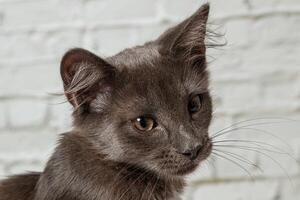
(147, 106)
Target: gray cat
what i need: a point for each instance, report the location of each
(141, 122)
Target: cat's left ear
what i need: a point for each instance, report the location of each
(86, 76)
(186, 41)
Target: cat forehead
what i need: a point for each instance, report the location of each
(140, 56)
(144, 68)
(148, 59)
(164, 79)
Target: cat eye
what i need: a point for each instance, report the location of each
(195, 103)
(144, 123)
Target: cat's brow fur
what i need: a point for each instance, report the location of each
(104, 157)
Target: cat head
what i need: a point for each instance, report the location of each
(148, 106)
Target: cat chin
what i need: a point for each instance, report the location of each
(186, 170)
(177, 171)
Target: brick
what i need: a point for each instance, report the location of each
(187, 193)
(5, 75)
(288, 3)
(177, 9)
(287, 28)
(273, 4)
(26, 113)
(219, 9)
(260, 67)
(2, 171)
(180, 9)
(57, 42)
(288, 98)
(256, 4)
(33, 44)
(60, 117)
(21, 167)
(151, 32)
(290, 189)
(120, 11)
(28, 44)
(111, 41)
(203, 172)
(26, 145)
(225, 168)
(238, 33)
(39, 79)
(32, 13)
(224, 65)
(278, 142)
(232, 98)
(228, 162)
(3, 113)
(264, 190)
(282, 164)
(280, 147)
(1, 18)
(279, 166)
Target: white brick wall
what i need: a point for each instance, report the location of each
(256, 75)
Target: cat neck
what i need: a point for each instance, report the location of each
(77, 171)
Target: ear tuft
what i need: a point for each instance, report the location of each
(85, 75)
(204, 10)
(186, 41)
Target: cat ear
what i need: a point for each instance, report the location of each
(84, 76)
(187, 40)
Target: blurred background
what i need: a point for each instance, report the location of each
(255, 82)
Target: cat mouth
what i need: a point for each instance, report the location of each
(190, 166)
(179, 166)
(204, 152)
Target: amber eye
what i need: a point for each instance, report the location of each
(144, 123)
(195, 103)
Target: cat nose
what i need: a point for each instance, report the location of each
(192, 153)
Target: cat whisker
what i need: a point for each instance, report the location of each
(211, 162)
(145, 190)
(258, 131)
(246, 147)
(206, 163)
(260, 145)
(257, 119)
(165, 197)
(254, 142)
(244, 127)
(154, 186)
(234, 125)
(261, 153)
(135, 169)
(240, 158)
(132, 183)
(256, 146)
(234, 162)
(124, 168)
